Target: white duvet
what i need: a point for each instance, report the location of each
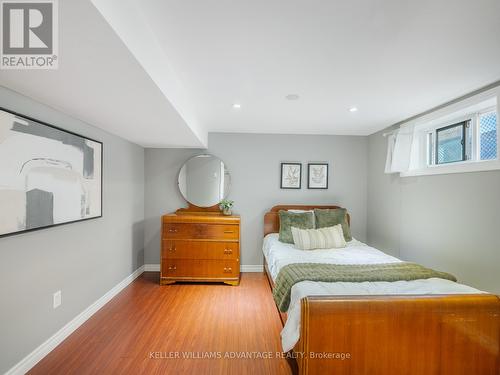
(279, 254)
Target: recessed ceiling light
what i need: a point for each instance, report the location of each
(236, 106)
(353, 109)
(292, 97)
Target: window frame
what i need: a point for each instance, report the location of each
(470, 118)
(464, 125)
(474, 156)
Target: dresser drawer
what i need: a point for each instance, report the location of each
(200, 269)
(201, 231)
(183, 249)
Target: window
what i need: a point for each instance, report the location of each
(450, 143)
(460, 137)
(473, 138)
(488, 135)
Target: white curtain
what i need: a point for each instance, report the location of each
(391, 141)
(399, 151)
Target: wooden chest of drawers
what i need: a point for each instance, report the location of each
(200, 247)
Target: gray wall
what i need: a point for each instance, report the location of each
(84, 260)
(254, 163)
(449, 222)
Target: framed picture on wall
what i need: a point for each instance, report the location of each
(317, 176)
(48, 176)
(291, 175)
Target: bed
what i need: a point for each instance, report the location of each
(431, 326)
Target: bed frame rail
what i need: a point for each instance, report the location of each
(412, 335)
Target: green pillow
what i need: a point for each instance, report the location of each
(301, 220)
(330, 217)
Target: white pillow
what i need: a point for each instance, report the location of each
(322, 238)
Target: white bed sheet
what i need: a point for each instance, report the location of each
(279, 254)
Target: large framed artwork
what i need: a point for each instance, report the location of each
(48, 176)
(291, 175)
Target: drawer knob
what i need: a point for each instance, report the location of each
(228, 269)
(172, 268)
(228, 251)
(172, 230)
(172, 249)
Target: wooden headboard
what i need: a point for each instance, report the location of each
(272, 219)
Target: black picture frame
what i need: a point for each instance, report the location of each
(17, 114)
(309, 165)
(282, 168)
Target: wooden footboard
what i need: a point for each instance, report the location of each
(445, 335)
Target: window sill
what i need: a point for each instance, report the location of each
(466, 167)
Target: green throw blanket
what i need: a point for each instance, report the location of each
(297, 272)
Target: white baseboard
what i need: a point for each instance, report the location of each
(244, 268)
(252, 268)
(39, 353)
(152, 268)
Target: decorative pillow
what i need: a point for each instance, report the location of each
(300, 211)
(301, 220)
(323, 238)
(330, 217)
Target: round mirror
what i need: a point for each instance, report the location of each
(204, 180)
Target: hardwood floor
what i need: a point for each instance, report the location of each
(144, 328)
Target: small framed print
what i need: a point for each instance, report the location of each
(291, 175)
(317, 176)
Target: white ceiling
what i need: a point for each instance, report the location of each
(188, 61)
(100, 82)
